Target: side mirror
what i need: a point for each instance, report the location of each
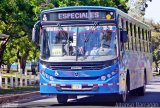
(123, 36)
(36, 33)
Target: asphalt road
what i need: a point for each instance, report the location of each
(151, 99)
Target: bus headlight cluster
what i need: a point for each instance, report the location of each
(47, 76)
(109, 75)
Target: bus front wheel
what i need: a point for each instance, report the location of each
(62, 98)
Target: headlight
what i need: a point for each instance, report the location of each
(113, 73)
(51, 78)
(44, 66)
(43, 73)
(47, 76)
(108, 75)
(103, 78)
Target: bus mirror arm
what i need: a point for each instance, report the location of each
(36, 33)
(123, 36)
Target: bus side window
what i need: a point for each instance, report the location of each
(131, 36)
(134, 38)
(127, 44)
(125, 28)
(146, 40)
(139, 38)
(142, 40)
(121, 26)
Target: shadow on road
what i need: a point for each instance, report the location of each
(150, 99)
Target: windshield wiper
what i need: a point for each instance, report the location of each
(87, 38)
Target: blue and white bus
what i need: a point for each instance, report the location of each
(92, 50)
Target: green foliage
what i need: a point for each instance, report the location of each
(155, 41)
(9, 54)
(17, 18)
(156, 47)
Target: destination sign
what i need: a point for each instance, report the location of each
(78, 15)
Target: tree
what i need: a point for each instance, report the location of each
(3, 43)
(17, 18)
(9, 56)
(155, 41)
(156, 48)
(49, 4)
(25, 50)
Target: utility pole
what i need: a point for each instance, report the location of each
(137, 8)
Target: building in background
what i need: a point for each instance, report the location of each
(137, 8)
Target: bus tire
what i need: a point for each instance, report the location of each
(62, 98)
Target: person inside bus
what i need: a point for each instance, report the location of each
(105, 38)
(63, 38)
(105, 48)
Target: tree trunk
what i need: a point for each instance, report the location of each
(156, 63)
(2, 49)
(8, 68)
(22, 60)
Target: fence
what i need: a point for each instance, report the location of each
(18, 80)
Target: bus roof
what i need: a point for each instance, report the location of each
(79, 7)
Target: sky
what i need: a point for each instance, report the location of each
(153, 10)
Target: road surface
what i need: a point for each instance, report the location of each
(151, 99)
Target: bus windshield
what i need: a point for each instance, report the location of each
(83, 43)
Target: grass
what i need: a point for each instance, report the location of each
(19, 89)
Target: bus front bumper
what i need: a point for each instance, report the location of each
(79, 87)
(69, 89)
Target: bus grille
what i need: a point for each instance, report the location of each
(77, 66)
(70, 67)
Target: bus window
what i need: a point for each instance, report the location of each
(137, 39)
(127, 44)
(125, 28)
(134, 38)
(143, 46)
(131, 36)
(146, 41)
(140, 38)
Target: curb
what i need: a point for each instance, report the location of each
(7, 99)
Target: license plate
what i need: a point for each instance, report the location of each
(76, 87)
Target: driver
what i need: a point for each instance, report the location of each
(65, 39)
(105, 39)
